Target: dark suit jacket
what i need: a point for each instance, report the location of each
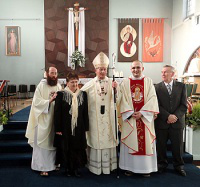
(175, 104)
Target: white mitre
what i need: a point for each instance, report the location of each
(101, 60)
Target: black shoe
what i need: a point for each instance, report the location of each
(146, 175)
(128, 173)
(77, 173)
(181, 172)
(68, 173)
(161, 170)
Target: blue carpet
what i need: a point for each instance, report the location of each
(22, 115)
(24, 176)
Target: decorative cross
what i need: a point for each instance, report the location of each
(76, 19)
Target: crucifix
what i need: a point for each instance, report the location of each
(76, 12)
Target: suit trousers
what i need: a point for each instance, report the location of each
(176, 138)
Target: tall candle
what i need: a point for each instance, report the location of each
(121, 74)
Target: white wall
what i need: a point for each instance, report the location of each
(185, 35)
(24, 69)
(141, 9)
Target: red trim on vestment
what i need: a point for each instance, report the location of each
(130, 132)
(127, 111)
(129, 147)
(135, 151)
(127, 135)
(150, 111)
(130, 124)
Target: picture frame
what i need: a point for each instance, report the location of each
(13, 40)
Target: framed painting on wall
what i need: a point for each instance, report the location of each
(12, 40)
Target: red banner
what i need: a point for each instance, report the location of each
(153, 30)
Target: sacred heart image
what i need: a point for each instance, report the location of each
(137, 94)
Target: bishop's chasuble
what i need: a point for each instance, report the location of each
(138, 151)
(101, 137)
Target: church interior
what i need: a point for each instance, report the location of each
(42, 38)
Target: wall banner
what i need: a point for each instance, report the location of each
(128, 37)
(153, 30)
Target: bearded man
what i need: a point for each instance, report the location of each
(40, 131)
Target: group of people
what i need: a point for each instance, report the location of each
(75, 127)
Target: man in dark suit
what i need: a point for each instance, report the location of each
(170, 122)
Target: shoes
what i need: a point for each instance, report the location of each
(68, 173)
(128, 173)
(146, 175)
(77, 173)
(181, 172)
(57, 168)
(161, 170)
(44, 174)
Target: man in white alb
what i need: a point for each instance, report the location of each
(40, 129)
(138, 109)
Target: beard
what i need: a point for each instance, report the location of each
(52, 81)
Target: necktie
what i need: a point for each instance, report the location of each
(169, 89)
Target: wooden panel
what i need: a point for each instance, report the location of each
(56, 24)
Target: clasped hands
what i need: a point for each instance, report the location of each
(137, 115)
(172, 119)
(59, 133)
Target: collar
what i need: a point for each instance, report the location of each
(101, 80)
(171, 83)
(72, 93)
(134, 78)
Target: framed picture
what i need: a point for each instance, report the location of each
(13, 41)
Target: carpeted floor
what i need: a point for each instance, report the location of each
(22, 115)
(25, 177)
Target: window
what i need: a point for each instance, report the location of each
(189, 8)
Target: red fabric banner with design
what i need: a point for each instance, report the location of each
(128, 39)
(153, 30)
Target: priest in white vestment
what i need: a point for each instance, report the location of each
(138, 108)
(101, 138)
(40, 129)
